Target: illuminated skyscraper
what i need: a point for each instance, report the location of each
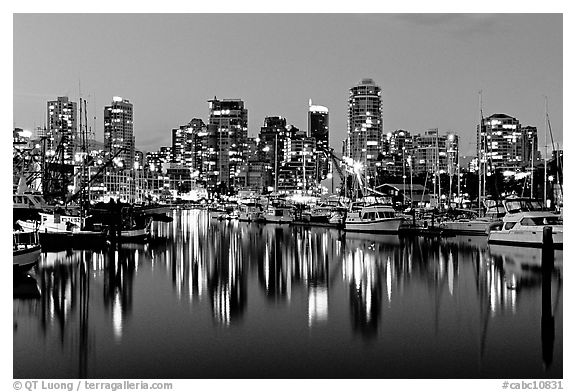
(364, 142)
(504, 143)
(62, 128)
(319, 130)
(230, 119)
(119, 131)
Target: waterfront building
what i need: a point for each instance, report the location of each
(318, 129)
(364, 142)
(119, 132)
(504, 143)
(397, 150)
(62, 129)
(230, 118)
(298, 171)
(187, 144)
(272, 145)
(435, 153)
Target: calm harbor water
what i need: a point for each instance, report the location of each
(209, 299)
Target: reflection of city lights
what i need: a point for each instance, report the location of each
(117, 317)
(317, 304)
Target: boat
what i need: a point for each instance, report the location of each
(249, 212)
(25, 250)
(139, 231)
(526, 228)
(277, 214)
(376, 218)
(466, 223)
(58, 230)
(28, 205)
(320, 215)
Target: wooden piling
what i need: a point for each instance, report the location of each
(547, 318)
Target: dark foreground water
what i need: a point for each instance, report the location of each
(208, 299)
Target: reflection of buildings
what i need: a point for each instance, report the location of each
(364, 276)
(119, 272)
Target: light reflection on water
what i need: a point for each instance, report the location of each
(236, 300)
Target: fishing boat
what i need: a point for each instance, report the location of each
(376, 218)
(69, 231)
(28, 205)
(25, 250)
(526, 228)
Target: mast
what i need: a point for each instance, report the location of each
(545, 151)
(479, 148)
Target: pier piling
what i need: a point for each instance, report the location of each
(547, 320)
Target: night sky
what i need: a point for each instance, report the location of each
(430, 67)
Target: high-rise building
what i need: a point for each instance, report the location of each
(62, 130)
(435, 153)
(504, 143)
(187, 144)
(298, 169)
(230, 119)
(318, 129)
(364, 142)
(119, 131)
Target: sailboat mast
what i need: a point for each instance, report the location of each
(545, 151)
(479, 150)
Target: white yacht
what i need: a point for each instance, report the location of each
(525, 228)
(373, 218)
(495, 210)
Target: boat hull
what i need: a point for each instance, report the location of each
(531, 238)
(24, 259)
(385, 225)
(137, 235)
(276, 219)
(469, 227)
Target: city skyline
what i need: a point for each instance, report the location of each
(411, 57)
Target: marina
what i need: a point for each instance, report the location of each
(208, 294)
(287, 196)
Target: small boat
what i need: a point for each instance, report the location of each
(376, 218)
(249, 212)
(478, 226)
(474, 225)
(137, 232)
(25, 250)
(320, 215)
(277, 214)
(58, 230)
(526, 228)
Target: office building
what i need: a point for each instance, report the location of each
(318, 129)
(62, 129)
(229, 118)
(119, 132)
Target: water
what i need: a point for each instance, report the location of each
(209, 299)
